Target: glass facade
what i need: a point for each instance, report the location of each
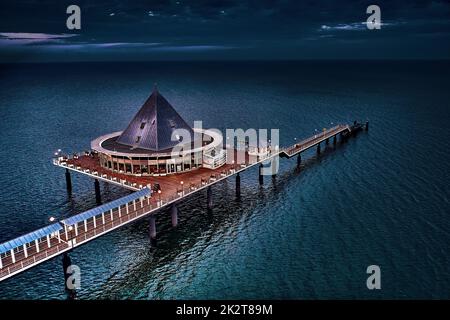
(151, 165)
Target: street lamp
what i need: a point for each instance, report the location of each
(182, 189)
(70, 240)
(57, 152)
(159, 193)
(51, 219)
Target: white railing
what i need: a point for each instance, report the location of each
(135, 214)
(95, 174)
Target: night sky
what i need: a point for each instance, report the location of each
(33, 31)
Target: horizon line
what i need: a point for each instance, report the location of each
(236, 60)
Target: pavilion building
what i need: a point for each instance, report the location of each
(151, 145)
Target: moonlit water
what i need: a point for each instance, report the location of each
(381, 198)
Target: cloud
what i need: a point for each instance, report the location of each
(342, 26)
(34, 36)
(155, 47)
(14, 39)
(101, 45)
(111, 47)
(355, 26)
(192, 48)
(61, 42)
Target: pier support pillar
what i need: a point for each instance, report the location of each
(274, 164)
(66, 262)
(367, 126)
(174, 215)
(152, 227)
(209, 201)
(68, 181)
(318, 148)
(334, 140)
(98, 196)
(238, 185)
(327, 141)
(261, 177)
(299, 160)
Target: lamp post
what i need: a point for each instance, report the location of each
(70, 240)
(57, 155)
(182, 189)
(159, 193)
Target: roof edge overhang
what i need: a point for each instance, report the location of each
(217, 140)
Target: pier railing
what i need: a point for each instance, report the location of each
(314, 140)
(95, 226)
(110, 178)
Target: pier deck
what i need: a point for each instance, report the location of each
(36, 251)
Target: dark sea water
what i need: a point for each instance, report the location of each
(381, 198)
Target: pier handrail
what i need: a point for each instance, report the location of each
(61, 242)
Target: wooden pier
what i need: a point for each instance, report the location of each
(24, 252)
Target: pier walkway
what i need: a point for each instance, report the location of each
(24, 252)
